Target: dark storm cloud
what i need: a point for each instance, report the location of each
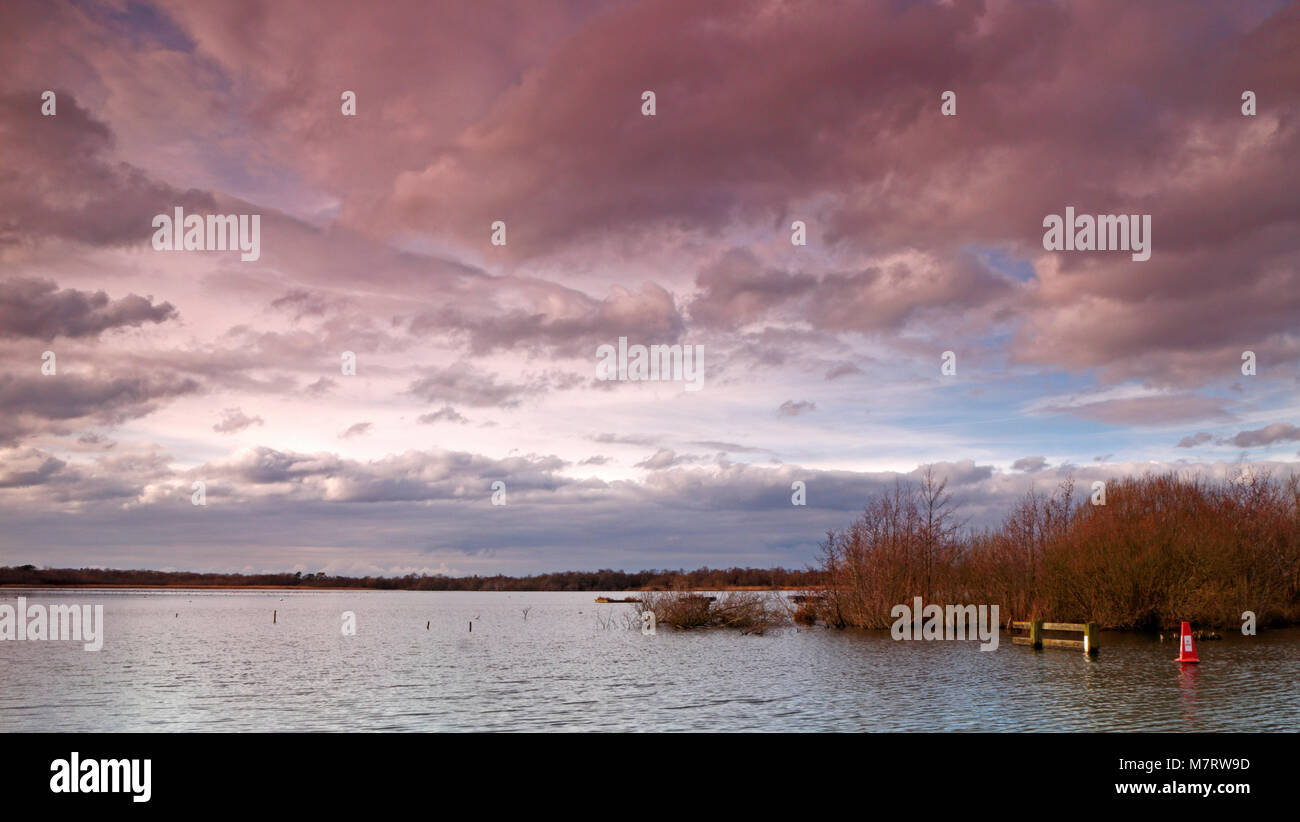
(60, 180)
(56, 404)
(39, 309)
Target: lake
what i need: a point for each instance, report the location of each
(214, 661)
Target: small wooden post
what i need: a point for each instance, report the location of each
(426, 625)
(471, 626)
(273, 614)
(1036, 633)
(1090, 638)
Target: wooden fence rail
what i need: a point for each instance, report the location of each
(1036, 639)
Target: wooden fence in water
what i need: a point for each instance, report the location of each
(1036, 639)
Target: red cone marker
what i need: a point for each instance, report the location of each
(1186, 650)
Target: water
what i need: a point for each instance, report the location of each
(213, 661)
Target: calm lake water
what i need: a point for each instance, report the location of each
(213, 661)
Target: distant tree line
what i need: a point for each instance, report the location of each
(602, 580)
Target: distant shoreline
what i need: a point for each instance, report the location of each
(225, 587)
(188, 587)
(604, 580)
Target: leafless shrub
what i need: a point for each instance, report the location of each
(750, 612)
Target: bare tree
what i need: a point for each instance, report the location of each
(940, 526)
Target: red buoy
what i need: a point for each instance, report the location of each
(1186, 650)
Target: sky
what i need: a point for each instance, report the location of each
(128, 373)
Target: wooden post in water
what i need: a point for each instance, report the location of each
(426, 625)
(1036, 634)
(1090, 638)
(471, 626)
(273, 614)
